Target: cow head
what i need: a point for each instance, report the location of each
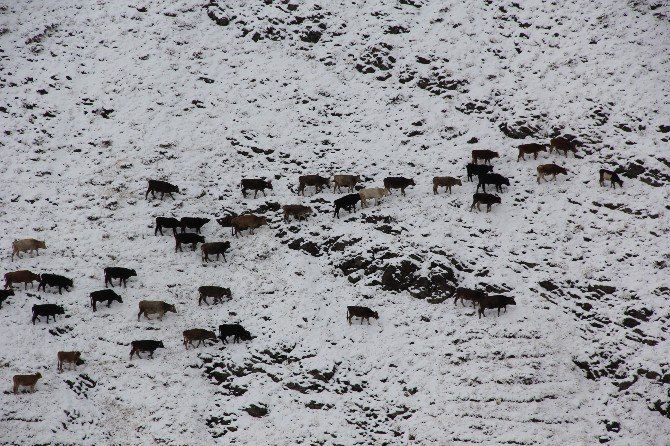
(41, 244)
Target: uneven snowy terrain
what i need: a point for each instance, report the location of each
(97, 97)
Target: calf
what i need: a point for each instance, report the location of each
(26, 381)
(187, 238)
(163, 187)
(4, 294)
(398, 183)
(226, 221)
(69, 357)
(48, 310)
(166, 222)
(362, 312)
(104, 295)
(154, 306)
(200, 335)
(193, 223)
(475, 296)
(315, 181)
(54, 280)
(492, 178)
(530, 149)
(374, 192)
(247, 221)
(236, 330)
(25, 245)
(349, 181)
(346, 202)
(549, 169)
(495, 301)
(254, 184)
(446, 182)
(23, 275)
(486, 155)
(117, 272)
(477, 169)
(218, 248)
(562, 145)
(298, 211)
(611, 176)
(484, 198)
(216, 292)
(145, 346)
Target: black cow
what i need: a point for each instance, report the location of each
(226, 221)
(187, 238)
(55, 280)
(495, 301)
(48, 310)
(362, 312)
(487, 199)
(398, 183)
(346, 202)
(163, 187)
(193, 223)
(477, 169)
(166, 222)
(104, 295)
(116, 272)
(492, 178)
(145, 346)
(255, 184)
(611, 176)
(4, 294)
(236, 330)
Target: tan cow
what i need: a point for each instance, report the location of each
(69, 357)
(349, 181)
(374, 192)
(25, 245)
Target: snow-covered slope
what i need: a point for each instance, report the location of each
(98, 97)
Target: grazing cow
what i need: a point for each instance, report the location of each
(611, 176)
(236, 330)
(562, 145)
(495, 301)
(346, 202)
(477, 169)
(298, 211)
(166, 222)
(549, 169)
(373, 192)
(349, 181)
(486, 155)
(398, 183)
(69, 357)
(492, 178)
(247, 221)
(254, 184)
(484, 198)
(117, 272)
(25, 245)
(226, 221)
(316, 181)
(200, 335)
(218, 248)
(154, 306)
(446, 182)
(23, 275)
(216, 292)
(145, 345)
(163, 187)
(4, 294)
(530, 149)
(48, 310)
(362, 312)
(193, 223)
(26, 381)
(55, 280)
(187, 238)
(475, 296)
(104, 295)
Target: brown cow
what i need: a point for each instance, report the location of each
(247, 221)
(25, 245)
(298, 211)
(218, 248)
(155, 306)
(23, 275)
(549, 169)
(362, 312)
(69, 357)
(345, 180)
(26, 381)
(475, 296)
(446, 182)
(316, 181)
(562, 145)
(216, 292)
(200, 335)
(530, 149)
(486, 155)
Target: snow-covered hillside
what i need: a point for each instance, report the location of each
(97, 97)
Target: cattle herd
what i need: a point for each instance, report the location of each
(239, 223)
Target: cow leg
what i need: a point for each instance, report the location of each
(224, 256)
(138, 315)
(162, 195)
(263, 190)
(60, 290)
(255, 192)
(109, 303)
(535, 155)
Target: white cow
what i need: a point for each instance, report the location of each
(374, 192)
